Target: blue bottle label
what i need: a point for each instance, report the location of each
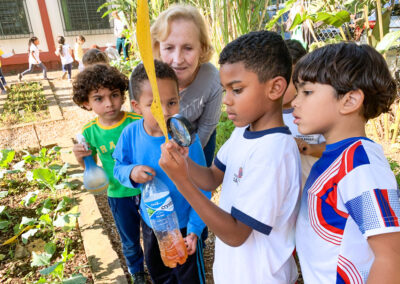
(160, 208)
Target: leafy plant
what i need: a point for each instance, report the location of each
(224, 130)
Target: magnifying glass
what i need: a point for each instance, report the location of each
(181, 130)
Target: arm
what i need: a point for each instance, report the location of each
(80, 152)
(227, 228)
(209, 118)
(314, 150)
(386, 248)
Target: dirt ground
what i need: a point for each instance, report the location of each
(62, 132)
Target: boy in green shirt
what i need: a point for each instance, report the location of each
(101, 88)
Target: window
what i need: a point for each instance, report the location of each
(81, 16)
(14, 22)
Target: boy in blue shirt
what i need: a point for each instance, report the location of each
(137, 154)
(259, 168)
(348, 226)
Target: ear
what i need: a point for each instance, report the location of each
(136, 107)
(87, 106)
(276, 87)
(352, 102)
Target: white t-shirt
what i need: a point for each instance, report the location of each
(350, 195)
(307, 161)
(66, 57)
(35, 50)
(261, 189)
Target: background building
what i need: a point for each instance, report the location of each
(47, 19)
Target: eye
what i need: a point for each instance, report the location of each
(306, 92)
(237, 91)
(115, 95)
(97, 99)
(188, 48)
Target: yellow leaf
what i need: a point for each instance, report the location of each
(144, 42)
(11, 240)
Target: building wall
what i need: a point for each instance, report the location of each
(46, 22)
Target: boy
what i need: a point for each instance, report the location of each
(348, 228)
(101, 88)
(137, 154)
(310, 146)
(259, 167)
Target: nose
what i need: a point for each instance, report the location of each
(227, 99)
(108, 102)
(178, 56)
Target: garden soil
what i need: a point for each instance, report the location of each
(62, 132)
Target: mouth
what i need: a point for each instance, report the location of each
(231, 115)
(296, 119)
(179, 69)
(110, 112)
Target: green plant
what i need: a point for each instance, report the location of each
(224, 130)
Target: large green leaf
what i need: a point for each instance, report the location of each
(76, 279)
(375, 31)
(274, 20)
(333, 19)
(6, 156)
(4, 224)
(388, 41)
(30, 233)
(50, 269)
(40, 259)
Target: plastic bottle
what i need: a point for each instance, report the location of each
(164, 222)
(95, 179)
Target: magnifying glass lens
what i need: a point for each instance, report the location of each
(180, 132)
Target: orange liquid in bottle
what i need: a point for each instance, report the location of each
(173, 249)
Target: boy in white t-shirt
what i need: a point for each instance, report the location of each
(348, 226)
(310, 146)
(259, 168)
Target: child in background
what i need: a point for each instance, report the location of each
(348, 226)
(101, 88)
(34, 58)
(137, 154)
(3, 83)
(78, 51)
(65, 53)
(94, 56)
(310, 146)
(259, 167)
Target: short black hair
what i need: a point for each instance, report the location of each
(95, 77)
(347, 67)
(296, 50)
(139, 75)
(262, 52)
(93, 56)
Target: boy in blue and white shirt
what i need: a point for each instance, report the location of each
(259, 168)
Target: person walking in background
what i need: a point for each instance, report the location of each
(65, 53)
(119, 28)
(34, 58)
(78, 51)
(180, 38)
(94, 56)
(3, 83)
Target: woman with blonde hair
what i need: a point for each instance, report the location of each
(180, 38)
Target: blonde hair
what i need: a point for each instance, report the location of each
(160, 29)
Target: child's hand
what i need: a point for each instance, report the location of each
(304, 147)
(173, 162)
(142, 174)
(80, 152)
(191, 243)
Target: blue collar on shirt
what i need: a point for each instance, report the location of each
(333, 146)
(257, 134)
(288, 110)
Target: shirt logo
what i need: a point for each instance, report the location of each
(237, 177)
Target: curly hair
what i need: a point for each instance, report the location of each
(348, 67)
(93, 56)
(262, 52)
(160, 29)
(296, 50)
(139, 75)
(95, 77)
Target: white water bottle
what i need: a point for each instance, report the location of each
(164, 221)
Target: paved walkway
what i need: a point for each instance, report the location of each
(106, 267)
